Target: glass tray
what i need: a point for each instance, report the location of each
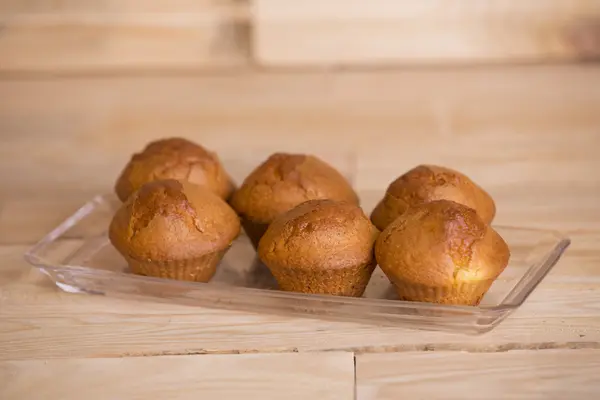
(79, 258)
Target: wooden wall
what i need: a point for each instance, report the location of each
(71, 36)
(375, 32)
(92, 36)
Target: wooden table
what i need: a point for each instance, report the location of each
(530, 135)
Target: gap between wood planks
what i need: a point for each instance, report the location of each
(255, 69)
(501, 348)
(355, 377)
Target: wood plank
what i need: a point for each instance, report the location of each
(483, 121)
(42, 322)
(382, 32)
(27, 221)
(120, 37)
(260, 376)
(75, 7)
(548, 374)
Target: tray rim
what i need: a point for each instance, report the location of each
(512, 301)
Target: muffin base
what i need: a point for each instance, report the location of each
(254, 231)
(350, 281)
(200, 269)
(465, 293)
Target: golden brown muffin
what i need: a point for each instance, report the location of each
(427, 183)
(441, 252)
(174, 229)
(321, 247)
(282, 182)
(174, 158)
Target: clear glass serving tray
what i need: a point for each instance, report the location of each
(79, 258)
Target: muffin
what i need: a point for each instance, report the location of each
(427, 183)
(174, 229)
(174, 158)
(282, 182)
(321, 247)
(441, 252)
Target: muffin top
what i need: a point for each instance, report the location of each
(427, 183)
(319, 234)
(285, 180)
(441, 243)
(174, 158)
(169, 220)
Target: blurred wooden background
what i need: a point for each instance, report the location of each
(76, 36)
(503, 90)
(506, 91)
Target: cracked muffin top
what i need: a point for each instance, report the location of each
(284, 181)
(170, 220)
(319, 234)
(174, 158)
(426, 183)
(441, 244)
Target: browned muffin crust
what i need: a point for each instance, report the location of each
(285, 180)
(282, 182)
(174, 158)
(321, 246)
(441, 252)
(169, 220)
(427, 183)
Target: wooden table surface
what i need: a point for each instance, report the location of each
(529, 134)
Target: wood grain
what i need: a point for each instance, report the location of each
(484, 121)
(111, 36)
(251, 376)
(550, 374)
(77, 7)
(382, 32)
(41, 322)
